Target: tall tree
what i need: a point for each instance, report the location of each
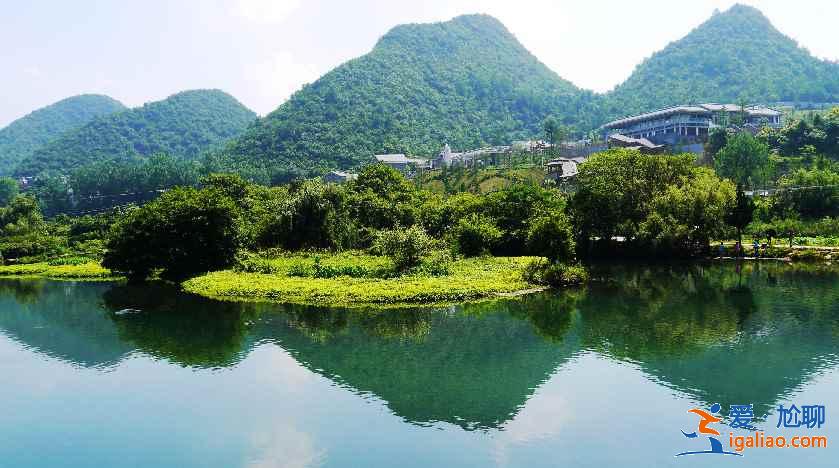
(741, 213)
(8, 190)
(742, 158)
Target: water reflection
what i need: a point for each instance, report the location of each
(716, 333)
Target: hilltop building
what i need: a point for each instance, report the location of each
(490, 155)
(339, 177)
(402, 163)
(641, 144)
(687, 126)
(561, 169)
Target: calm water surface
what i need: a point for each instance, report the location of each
(596, 377)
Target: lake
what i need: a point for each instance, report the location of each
(600, 376)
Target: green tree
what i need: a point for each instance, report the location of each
(476, 234)
(8, 190)
(742, 158)
(616, 189)
(406, 247)
(809, 193)
(551, 235)
(717, 140)
(685, 217)
(741, 213)
(313, 215)
(185, 231)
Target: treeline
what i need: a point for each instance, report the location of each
(798, 163)
(624, 203)
(812, 135)
(655, 205)
(106, 184)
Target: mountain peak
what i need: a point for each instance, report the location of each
(182, 125)
(25, 135)
(466, 81)
(467, 28)
(746, 17)
(737, 54)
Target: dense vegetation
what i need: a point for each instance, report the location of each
(734, 55)
(106, 184)
(654, 203)
(466, 82)
(22, 137)
(182, 125)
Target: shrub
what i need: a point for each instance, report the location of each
(550, 235)
(437, 263)
(250, 263)
(405, 247)
(75, 260)
(300, 270)
(184, 231)
(475, 235)
(314, 215)
(554, 274)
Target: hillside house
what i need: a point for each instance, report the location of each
(688, 125)
(560, 169)
(402, 163)
(339, 177)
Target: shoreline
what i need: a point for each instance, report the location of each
(471, 280)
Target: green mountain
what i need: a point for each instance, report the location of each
(182, 125)
(466, 82)
(469, 82)
(734, 55)
(23, 136)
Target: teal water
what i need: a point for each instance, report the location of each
(596, 377)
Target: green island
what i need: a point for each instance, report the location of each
(89, 270)
(387, 240)
(369, 283)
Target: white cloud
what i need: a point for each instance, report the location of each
(284, 447)
(266, 11)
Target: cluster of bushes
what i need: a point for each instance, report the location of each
(625, 202)
(646, 205)
(191, 230)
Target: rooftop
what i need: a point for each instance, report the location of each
(392, 158)
(698, 109)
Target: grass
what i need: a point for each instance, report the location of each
(468, 279)
(483, 181)
(90, 270)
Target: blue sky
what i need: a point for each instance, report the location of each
(261, 51)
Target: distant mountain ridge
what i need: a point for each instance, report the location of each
(735, 55)
(21, 138)
(467, 81)
(182, 125)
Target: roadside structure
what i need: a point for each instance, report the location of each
(641, 144)
(402, 163)
(339, 177)
(560, 169)
(687, 126)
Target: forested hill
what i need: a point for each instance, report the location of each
(23, 136)
(465, 82)
(734, 55)
(182, 125)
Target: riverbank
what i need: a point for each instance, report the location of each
(357, 279)
(88, 271)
